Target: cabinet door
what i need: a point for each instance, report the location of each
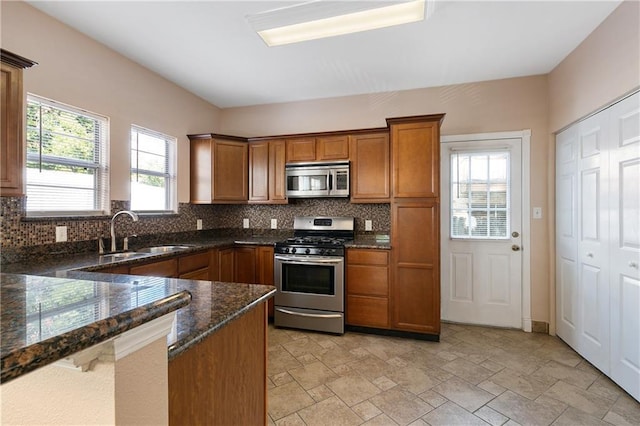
(230, 171)
(226, 268)
(259, 171)
(331, 148)
(416, 159)
(200, 171)
(370, 166)
(303, 149)
(245, 265)
(164, 268)
(11, 144)
(415, 288)
(277, 160)
(264, 266)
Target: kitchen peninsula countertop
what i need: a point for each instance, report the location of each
(46, 319)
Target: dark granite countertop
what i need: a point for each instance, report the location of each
(45, 319)
(213, 304)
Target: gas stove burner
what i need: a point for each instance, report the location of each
(315, 240)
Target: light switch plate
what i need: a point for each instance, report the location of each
(537, 212)
(245, 223)
(198, 224)
(274, 223)
(368, 225)
(61, 234)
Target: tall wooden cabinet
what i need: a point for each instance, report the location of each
(415, 219)
(266, 172)
(219, 169)
(12, 146)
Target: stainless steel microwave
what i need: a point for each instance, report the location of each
(313, 180)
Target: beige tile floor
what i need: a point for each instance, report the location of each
(473, 376)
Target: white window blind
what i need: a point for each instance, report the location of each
(153, 165)
(480, 199)
(67, 160)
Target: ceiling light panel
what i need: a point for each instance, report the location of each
(320, 19)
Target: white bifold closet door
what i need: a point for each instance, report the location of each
(598, 240)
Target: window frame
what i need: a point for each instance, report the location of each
(101, 188)
(170, 173)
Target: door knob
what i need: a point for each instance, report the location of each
(515, 247)
(515, 234)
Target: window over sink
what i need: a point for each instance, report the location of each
(67, 160)
(153, 171)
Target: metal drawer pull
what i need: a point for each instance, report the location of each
(285, 311)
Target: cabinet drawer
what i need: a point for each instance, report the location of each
(369, 280)
(165, 268)
(368, 311)
(193, 262)
(367, 257)
(198, 274)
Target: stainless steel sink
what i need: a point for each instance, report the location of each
(118, 256)
(161, 249)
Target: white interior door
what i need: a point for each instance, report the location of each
(566, 235)
(625, 244)
(481, 232)
(593, 241)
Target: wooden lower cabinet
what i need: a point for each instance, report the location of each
(164, 268)
(264, 270)
(367, 288)
(415, 290)
(226, 268)
(223, 379)
(245, 265)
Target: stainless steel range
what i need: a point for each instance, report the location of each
(309, 274)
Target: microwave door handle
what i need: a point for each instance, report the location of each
(331, 181)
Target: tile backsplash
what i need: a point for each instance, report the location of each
(19, 233)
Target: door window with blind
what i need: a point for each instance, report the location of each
(480, 195)
(153, 182)
(67, 160)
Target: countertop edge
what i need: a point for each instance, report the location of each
(32, 357)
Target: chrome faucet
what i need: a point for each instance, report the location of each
(113, 228)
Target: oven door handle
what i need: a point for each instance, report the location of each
(307, 261)
(302, 314)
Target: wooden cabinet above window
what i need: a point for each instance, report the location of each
(219, 169)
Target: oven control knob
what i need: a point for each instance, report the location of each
(307, 251)
(293, 250)
(322, 251)
(286, 250)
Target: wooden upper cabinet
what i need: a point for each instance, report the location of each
(12, 144)
(303, 149)
(370, 165)
(330, 148)
(415, 147)
(266, 172)
(219, 170)
(321, 148)
(277, 179)
(259, 171)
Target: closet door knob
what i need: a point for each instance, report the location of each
(589, 254)
(633, 264)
